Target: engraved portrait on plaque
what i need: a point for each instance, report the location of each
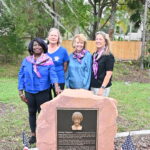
(77, 118)
(76, 129)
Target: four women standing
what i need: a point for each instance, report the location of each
(46, 66)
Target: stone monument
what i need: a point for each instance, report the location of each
(77, 120)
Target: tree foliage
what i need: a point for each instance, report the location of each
(22, 19)
(11, 45)
(35, 17)
(136, 6)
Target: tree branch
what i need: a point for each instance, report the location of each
(91, 3)
(105, 22)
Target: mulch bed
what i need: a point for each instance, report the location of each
(141, 142)
(4, 108)
(135, 74)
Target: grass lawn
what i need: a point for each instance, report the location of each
(13, 116)
(133, 107)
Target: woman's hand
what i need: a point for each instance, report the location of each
(57, 89)
(101, 91)
(22, 97)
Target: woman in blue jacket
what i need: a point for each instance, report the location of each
(79, 69)
(36, 74)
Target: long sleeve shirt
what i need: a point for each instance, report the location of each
(30, 82)
(79, 74)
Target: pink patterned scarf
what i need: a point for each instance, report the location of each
(43, 60)
(79, 55)
(96, 56)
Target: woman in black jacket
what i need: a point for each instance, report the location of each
(102, 65)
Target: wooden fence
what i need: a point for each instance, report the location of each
(122, 50)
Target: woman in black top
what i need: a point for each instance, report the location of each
(102, 65)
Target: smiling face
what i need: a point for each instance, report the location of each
(37, 49)
(78, 44)
(100, 41)
(53, 37)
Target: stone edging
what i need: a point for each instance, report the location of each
(124, 134)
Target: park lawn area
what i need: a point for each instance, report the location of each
(133, 106)
(13, 115)
(133, 103)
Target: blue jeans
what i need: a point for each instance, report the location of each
(106, 91)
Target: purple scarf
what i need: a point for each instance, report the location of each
(43, 60)
(96, 56)
(79, 55)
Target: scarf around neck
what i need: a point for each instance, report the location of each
(79, 55)
(96, 57)
(43, 60)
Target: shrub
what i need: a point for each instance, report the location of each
(11, 47)
(146, 62)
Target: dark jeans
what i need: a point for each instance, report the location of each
(62, 85)
(34, 102)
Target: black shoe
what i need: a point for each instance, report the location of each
(32, 140)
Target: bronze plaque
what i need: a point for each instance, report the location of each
(76, 129)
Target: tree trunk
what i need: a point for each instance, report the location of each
(112, 19)
(95, 24)
(92, 36)
(55, 20)
(143, 36)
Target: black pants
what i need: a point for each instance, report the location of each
(34, 102)
(62, 85)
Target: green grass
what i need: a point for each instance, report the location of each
(13, 115)
(133, 107)
(8, 92)
(9, 70)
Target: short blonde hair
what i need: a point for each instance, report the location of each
(81, 37)
(59, 35)
(107, 41)
(77, 115)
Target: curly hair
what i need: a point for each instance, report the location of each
(40, 42)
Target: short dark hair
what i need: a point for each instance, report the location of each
(41, 42)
